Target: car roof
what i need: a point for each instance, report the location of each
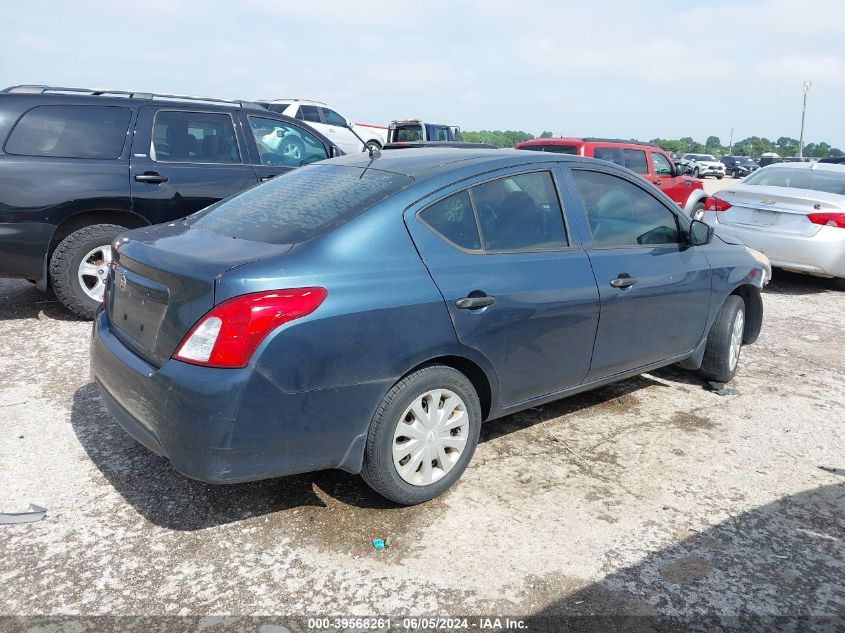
(422, 163)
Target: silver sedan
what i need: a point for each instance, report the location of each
(792, 212)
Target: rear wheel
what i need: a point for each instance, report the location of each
(79, 266)
(719, 177)
(293, 149)
(422, 436)
(724, 342)
(373, 145)
(698, 210)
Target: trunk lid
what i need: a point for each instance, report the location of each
(164, 280)
(777, 209)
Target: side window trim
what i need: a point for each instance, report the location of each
(682, 228)
(549, 168)
(155, 159)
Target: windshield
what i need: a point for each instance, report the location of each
(709, 157)
(815, 180)
(299, 205)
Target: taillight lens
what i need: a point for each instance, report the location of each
(716, 204)
(229, 334)
(828, 219)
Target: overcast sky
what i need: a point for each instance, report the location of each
(621, 68)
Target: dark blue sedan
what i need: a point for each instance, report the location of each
(369, 314)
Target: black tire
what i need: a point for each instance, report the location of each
(696, 173)
(697, 210)
(65, 262)
(373, 145)
(716, 365)
(719, 177)
(379, 471)
(734, 174)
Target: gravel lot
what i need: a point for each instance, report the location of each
(654, 495)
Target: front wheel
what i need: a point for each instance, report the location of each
(79, 266)
(724, 342)
(422, 435)
(719, 177)
(695, 172)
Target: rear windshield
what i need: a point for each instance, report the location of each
(555, 149)
(813, 179)
(300, 205)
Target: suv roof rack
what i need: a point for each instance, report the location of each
(36, 89)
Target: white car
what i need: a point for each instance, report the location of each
(792, 212)
(350, 137)
(703, 165)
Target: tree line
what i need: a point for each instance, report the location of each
(751, 146)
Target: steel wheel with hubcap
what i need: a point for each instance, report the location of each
(430, 437)
(423, 435)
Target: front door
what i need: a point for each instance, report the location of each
(655, 290)
(277, 146)
(339, 132)
(678, 188)
(515, 289)
(184, 160)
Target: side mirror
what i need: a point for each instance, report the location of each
(335, 151)
(678, 170)
(700, 233)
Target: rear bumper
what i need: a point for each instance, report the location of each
(23, 246)
(229, 425)
(820, 254)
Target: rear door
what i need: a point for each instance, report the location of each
(184, 159)
(655, 291)
(517, 288)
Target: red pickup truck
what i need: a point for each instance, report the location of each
(649, 161)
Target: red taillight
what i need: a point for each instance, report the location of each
(716, 204)
(828, 219)
(229, 334)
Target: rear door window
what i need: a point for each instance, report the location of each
(71, 131)
(299, 205)
(520, 213)
(194, 137)
(612, 154)
(309, 113)
(634, 159)
(453, 219)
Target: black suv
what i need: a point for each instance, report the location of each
(78, 167)
(739, 166)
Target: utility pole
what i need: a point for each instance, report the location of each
(731, 143)
(807, 85)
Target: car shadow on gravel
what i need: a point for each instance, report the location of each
(787, 283)
(166, 498)
(773, 568)
(22, 300)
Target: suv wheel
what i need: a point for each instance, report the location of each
(372, 145)
(422, 436)
(293, 148)
(698, 210)
(724, 342)
(695, 172)
(79, 266)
